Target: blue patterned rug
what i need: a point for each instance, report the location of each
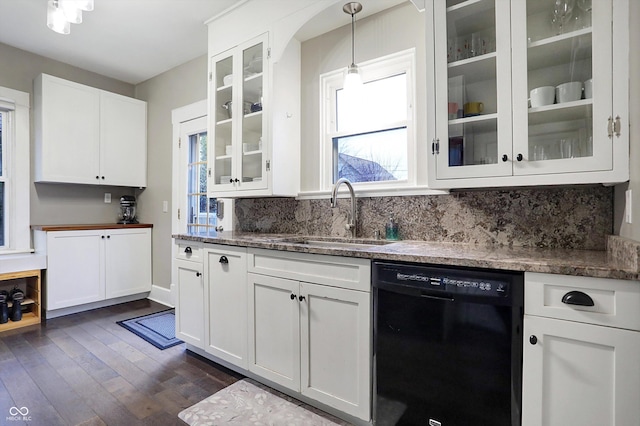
(159, 329)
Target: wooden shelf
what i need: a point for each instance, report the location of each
(32, 300)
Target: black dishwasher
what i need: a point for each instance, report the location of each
(447, 345)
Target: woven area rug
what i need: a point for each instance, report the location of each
(159, 329)
(247, 402)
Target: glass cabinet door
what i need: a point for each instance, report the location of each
(473, 88)
(252, 117)
(222, 172)
(237, 118)
(562, 100)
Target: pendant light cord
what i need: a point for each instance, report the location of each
(353, 29)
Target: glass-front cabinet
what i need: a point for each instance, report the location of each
(237, 120)
(528, 89)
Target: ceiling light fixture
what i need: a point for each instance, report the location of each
(62, 13)
(352, 79)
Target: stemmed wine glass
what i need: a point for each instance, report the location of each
(585, 6)
(562, 10)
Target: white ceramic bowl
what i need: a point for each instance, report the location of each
(227, 79)
(588, 89)
(569, 92)
(541, 96)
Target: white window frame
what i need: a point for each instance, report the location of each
(379, 68)
(17, 171)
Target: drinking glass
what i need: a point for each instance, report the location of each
(585, 6)
(562, 11)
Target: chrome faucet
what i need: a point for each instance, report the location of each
(351, 225)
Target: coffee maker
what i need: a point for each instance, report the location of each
(127, 213)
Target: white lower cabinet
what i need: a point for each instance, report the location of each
(88, 266)
(581, 364)
(226, 323)
(190, 311)
(312, 337)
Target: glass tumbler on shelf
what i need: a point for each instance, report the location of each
(562, 12)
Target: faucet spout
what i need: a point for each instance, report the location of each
(351, 225)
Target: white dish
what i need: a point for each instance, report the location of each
(227, 79)
(568, 92)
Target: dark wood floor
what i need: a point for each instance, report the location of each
(86, 369)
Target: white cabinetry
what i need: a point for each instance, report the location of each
(190, 303)
(489, 55)
(254, 123)
(226, 324)
(581, 360)
(88, 136)
(93, 265)
(310, 326)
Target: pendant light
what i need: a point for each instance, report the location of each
(72, 11)
(353, 79)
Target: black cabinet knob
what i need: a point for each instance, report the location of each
(519, 157)
(102, 237)
(230, 180)
(237, 180)
(505, 157)
(198, 274)
(188, 250)
(301, 298)
(97, 177)
(533, 339)
(293, 296)
(223, 259)
(108, 236)
(102, 177)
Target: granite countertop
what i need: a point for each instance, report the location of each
(619, 261)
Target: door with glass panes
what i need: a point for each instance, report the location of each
(526, 88)
(237, 161)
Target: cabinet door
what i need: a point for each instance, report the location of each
(473, 102)
(123, 140)
(238, 80)
(226, 274)
(67, 131)
(128, 261)
(75, 268)
(336, 347)
(563, 73)
(274, 330)
(190, 304)
(579, 374)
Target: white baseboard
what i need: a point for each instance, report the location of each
(161, 295)
(88, 306)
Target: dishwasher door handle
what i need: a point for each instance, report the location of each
(443, 298)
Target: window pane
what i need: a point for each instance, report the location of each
(199, 215)
(381, 102)
(1, 144)
(2, 214)
(372, 157)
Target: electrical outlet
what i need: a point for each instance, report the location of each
(107, 197)
(165, 206)
(627, 206)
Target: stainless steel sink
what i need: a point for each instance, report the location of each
(351, 244)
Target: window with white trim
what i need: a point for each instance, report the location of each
(15, 234)
(368, 136)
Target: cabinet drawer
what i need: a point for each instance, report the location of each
(350, 273)
(189, 250)
(616, 303)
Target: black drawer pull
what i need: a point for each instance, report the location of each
(577, 298)
(533, 339)
(188, 250)
(293, 296)
(223, 259)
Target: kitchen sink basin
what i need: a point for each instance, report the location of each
(336, 243)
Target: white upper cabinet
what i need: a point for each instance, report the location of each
(526, 94)
(88, 136)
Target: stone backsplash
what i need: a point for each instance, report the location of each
(576, 217)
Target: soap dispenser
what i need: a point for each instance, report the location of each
(391, 229)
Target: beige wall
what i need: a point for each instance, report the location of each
(632, 230)
(57, 203)
(178, 87)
